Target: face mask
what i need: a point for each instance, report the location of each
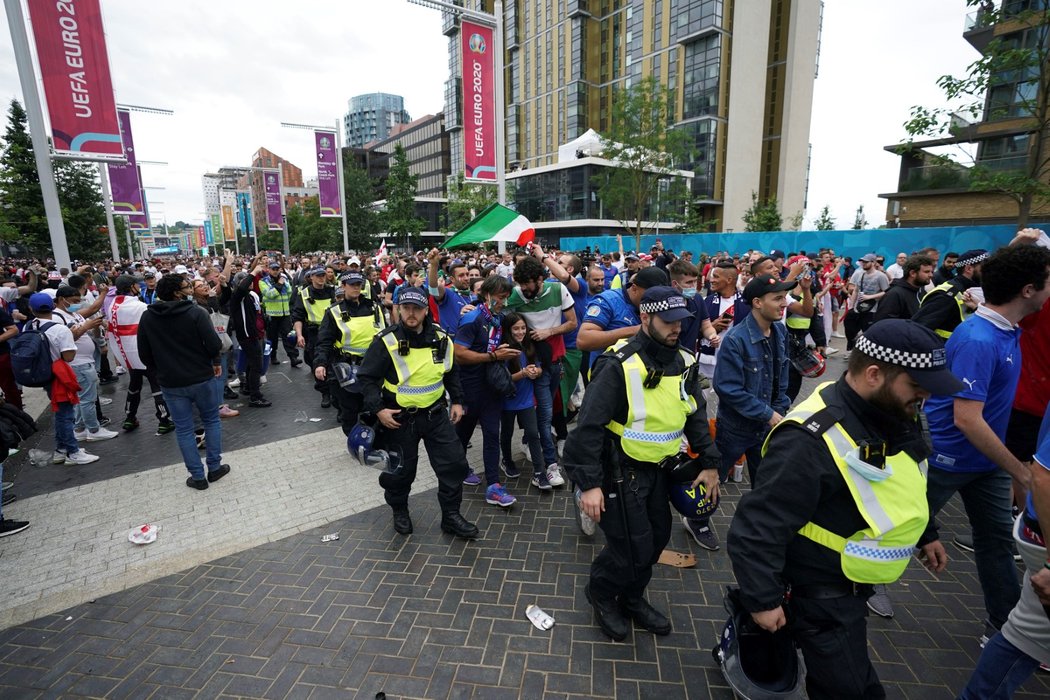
(868, 471)
(76, 307)
(689, 292)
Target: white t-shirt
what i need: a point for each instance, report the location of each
(894, 272)
(84, 344)
(59, 337)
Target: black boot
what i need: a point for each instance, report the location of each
(274, 360)
(610, 619)
(646, 616)
(326, 401)
(402, 521)
(456, 524)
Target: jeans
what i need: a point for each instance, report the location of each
(1000, 671)
(65, 441)
(181, 401)
(85, 416)
(220, 381)
(481, 405)
(733, 441)
(546, 385)
(986, 498)
(526, 418)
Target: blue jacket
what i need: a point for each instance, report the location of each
(741, 310)
(744, 375)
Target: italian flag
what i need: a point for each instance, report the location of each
(494, 223)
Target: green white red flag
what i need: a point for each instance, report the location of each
(495, 223)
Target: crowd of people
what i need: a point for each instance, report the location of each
(606, 363)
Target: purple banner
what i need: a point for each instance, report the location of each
(272, 185)
(140, 221)
(124, 177)
(327, 172)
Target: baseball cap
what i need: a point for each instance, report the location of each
(650, 277)
(354, 261)
(666, 303)
(41, 302)
(181, 270)
(53, 276)
(764, 284)
(776, 254)
(631, 256)
(972, 257)
(414, 296)
(916, 348)
(352, 278)
(150, 276)
(315, 271)
(65, 291)
(870, 257)
(275, 266)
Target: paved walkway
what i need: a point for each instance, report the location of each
(240, 598)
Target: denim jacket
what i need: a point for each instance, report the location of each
(744, 375)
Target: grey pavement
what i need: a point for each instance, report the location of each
(238, 597)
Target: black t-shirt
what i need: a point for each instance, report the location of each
(5, 322)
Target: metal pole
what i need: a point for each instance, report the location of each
(501, 114)
(103, 178)
(127, 234)
(284, 209)
(342, 186)
(37, 132)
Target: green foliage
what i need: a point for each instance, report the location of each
(763, 216)
(83, 213)
(824, 222)
(399, 218)
(642, 141)
(307, 231)
(795, 222)
(22, 217)
(466, 201)
(362, 221)
(692, 220)
(860, 221)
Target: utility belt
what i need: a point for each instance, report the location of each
(350, 358)
(424, 412)
(1031, 530)
(828, 591)
(631, 464)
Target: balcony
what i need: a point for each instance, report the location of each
(978, 28)
(935, 177)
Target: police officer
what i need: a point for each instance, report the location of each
(404, 376)
(276, 293)
(643, 395)
(346, 332)
(613, 314)
(945, 307)
(308, 309)
(842, 504)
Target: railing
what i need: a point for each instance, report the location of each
(936, 177)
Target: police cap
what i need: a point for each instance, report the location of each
(916, 348)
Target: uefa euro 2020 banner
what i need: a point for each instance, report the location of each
(74, 70)
(229, 232)
(124, 177)
(327, 171)
(244, 214)
(479, 102)
(272, 184)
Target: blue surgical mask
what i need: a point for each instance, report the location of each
(689, 292)
(76, 307)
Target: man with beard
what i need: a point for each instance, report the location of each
(452, 295)
(947, 305)
(841, 505)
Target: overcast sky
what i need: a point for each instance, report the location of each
(232, 70)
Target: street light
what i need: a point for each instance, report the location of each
(342, 192)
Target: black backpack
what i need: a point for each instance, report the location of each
(31, 355)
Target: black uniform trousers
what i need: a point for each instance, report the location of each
(447, 459)
(347, 403)
(648, 531)
(277, 330)
(131, 404)
(833, 637)
(310, 331)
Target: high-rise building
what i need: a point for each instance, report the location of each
(291, 184)
(210, 186)
(749, 126)
(371, 118)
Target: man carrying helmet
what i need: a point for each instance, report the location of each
(841, 505)
(643, 396)
(404, 376)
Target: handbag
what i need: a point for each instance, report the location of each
(221, 323)
(497, 376)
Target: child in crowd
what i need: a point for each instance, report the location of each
(533, 360)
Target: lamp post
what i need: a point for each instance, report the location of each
(342, 192)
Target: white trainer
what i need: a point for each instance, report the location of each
(81, 457)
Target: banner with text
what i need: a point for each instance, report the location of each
(201, 238)
(74, 70)
(124, 182)
(327, 171)
(272, 183)
(245, 219)
(209, 233)
(229, 231)
(479, 102)
(140, 222)
(216, 229)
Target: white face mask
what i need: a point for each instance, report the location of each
(869, 471)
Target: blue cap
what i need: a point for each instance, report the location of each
(414, 296)
(41, 302)
(352, 278)
(916, 348)
(315, 271)
(666, 303)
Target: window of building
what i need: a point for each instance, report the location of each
(703, 135)
(700, 76)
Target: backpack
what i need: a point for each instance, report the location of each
(31, 355)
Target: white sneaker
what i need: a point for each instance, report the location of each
(829, 351)
(80, 434)
(59, 457)
(104, 400)
(554, 475)
(120, 370)
(100, 434)
(262, 379)
(81, 457)
(838, 334)
(234, 383)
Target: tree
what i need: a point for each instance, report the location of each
(307, 231)
(859, 221)
(795, 222)
(22, 216)
(824, 222)
(692, 220)
(1010, 81)
(83, 213)
(362, 220)
(763, 216)
(400, 216)
(644, 145)
(466, 201)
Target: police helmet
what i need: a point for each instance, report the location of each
(345, 374)
(691, 501)
(809, 363)
(359, 442)
(758, 665)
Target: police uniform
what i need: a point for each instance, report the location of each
(309, 306)
(840, 508)
(276, 300)
(943, 309)
(643, 396)
(411, 372)
(346, 332)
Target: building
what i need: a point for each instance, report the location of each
(291, 184)
(210, 187)
(426, 147)
(371, 117)
(749, 126)
(1007, 139)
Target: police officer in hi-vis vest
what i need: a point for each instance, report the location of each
(309, 306)
(404, 376)
(345, 334)
(644, 395)
(841, 505)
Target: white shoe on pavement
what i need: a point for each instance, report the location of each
(99, 435)
(554, 475)
(80, 434)
(838, 334)
(105, 400)
(234, 383)
(59, 457)
(120, 370)
(830, 351)
(81, 457)
(262, 379)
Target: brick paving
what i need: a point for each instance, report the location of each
(240, 598)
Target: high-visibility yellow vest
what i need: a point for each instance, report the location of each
(895, 510)
(315, 308)
(275, 303)
(947, 288)
(420, 373)
(795, 321)
(355, 332)
(655, 417)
